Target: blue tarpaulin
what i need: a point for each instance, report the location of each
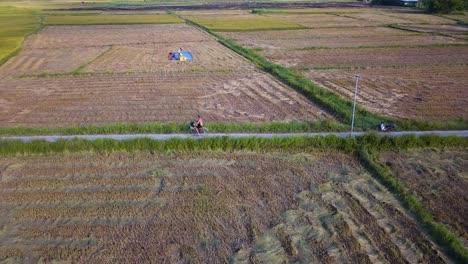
(182, 56)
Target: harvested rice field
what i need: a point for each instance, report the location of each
(322, 20)
(64, 77)
(208, 207)
(408, 70)
(373, 57)
(440, 179)
(407, 92)
(310, 39)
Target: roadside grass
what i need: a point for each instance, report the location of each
(371, 141)
(15, 25)
(168, 128)
(226, 144)
(102, 19)
(253, 23)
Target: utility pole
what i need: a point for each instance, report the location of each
(354, 105)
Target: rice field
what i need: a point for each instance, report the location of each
(202, 207)
(15, 25)
(404, 59)
(245, 23)
(439, 177)
(110, 19)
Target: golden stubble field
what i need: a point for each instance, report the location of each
(412, 65)
(78, 75)
(208, 207)
(440, 179)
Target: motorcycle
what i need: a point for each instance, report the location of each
(386, 127)
(193, 130)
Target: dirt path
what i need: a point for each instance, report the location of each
(54, 138)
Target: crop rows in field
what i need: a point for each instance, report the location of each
(354, 37)
(101, 19)
(413, 92)
(404, 73)
(440, 179)
(202, 207)
(366, 58)
(253, 97)
(123, 75)
(244, 22)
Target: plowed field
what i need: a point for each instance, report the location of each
(207, 208)
(76, 75)
(440, 179)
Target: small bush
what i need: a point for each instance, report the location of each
(444, 6)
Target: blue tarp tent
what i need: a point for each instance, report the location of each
(181, 56)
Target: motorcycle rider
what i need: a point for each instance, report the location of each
(198, 124)
(382, 126)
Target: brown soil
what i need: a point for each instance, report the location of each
(439, 178)
(334, 38)
(369, 57)
(200, 207)
(129, 79)
(416, 92)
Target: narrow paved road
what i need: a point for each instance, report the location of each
(52, 138)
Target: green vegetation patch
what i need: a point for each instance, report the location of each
(111, 19)
(167, 128)
(15, 25)
(252, 23)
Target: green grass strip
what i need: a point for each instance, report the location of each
(226, 144)
(439, 232)
(168, 128)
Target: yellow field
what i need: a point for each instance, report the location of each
(15, 24)
(112, 19)
(245, 23)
